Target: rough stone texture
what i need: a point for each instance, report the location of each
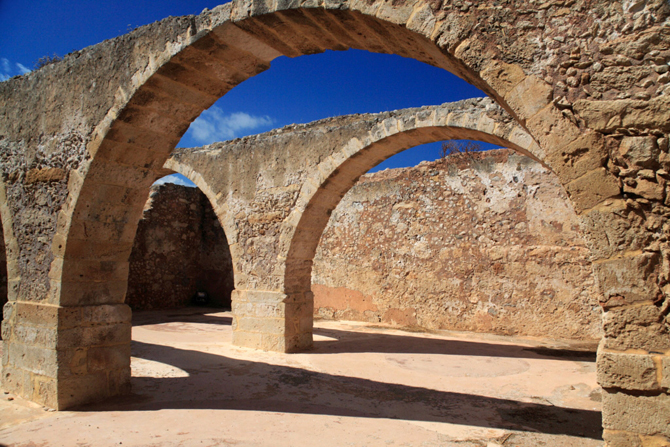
(627, 371)
(82, 140)
(623, 411)
(3, 272)
(179, 249)
(486, 242)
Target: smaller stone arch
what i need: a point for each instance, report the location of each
(276, 207)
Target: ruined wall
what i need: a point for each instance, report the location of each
(488, 244)
(179, 249)
(3, 272)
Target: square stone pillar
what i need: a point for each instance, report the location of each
(634, 370)
(65, 356)
(272, 321)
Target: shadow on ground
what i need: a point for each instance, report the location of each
(204, 380)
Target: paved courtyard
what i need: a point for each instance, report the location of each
(361, 385)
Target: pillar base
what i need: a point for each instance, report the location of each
(272, 321)
(60, 357)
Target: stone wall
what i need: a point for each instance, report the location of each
(3, 272)
(486, 242)
(179, 249)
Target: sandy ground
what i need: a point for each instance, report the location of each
(361, 386)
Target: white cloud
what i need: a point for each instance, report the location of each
(9, 69)
(213, 125)
(177, 179)
(22, 68)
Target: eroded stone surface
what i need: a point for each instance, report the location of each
(486, 242)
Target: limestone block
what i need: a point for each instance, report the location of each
(645, 415)
(650, 190)
(80, 389)
(502, 77)
(108, 358)
(116, 334)
(616, 438)
(91, 293)
(106, 314)
(592, 188)
(628, 279)
(665, 374)
(607, 116)
(119, 381)
(261, 325)
(529, 96)
(243, 339)
(551, 129)
(636, 327)
(612, 228)
(583, 155)
(35, 359)
(640, 151)
(628, 371)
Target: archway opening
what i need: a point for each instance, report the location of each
(180, 255)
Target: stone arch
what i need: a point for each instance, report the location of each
(216, 52)
(272, 302)
(180, 249)
(220, 208)
(333, 177)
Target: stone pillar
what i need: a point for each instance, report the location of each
(634, 370)
(65, 356)
(272, 321)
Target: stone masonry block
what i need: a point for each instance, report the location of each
(592, 188)
(94, 336)
(665, 374)
(119, 381)
(616, 438)
(628, 371)
(551, 129)
(108, 358)
(502, 77)
(630, 279)
(529, 96)
(107, 314)
(76, 390)
(261, 325)
(38, 360)
(91, 293)
(247, 339)
(636, 327)
(646, 415)
(583, 155)
(640, 151)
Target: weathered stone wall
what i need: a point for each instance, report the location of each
(179, 249)
(3, 272)
(486, 242)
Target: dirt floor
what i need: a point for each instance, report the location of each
(361, 386)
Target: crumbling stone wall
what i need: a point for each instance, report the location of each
(485, 242)
(179, 249)
(3, 272)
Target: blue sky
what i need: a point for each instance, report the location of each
(292, 91)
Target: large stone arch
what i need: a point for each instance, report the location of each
(103, 121)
